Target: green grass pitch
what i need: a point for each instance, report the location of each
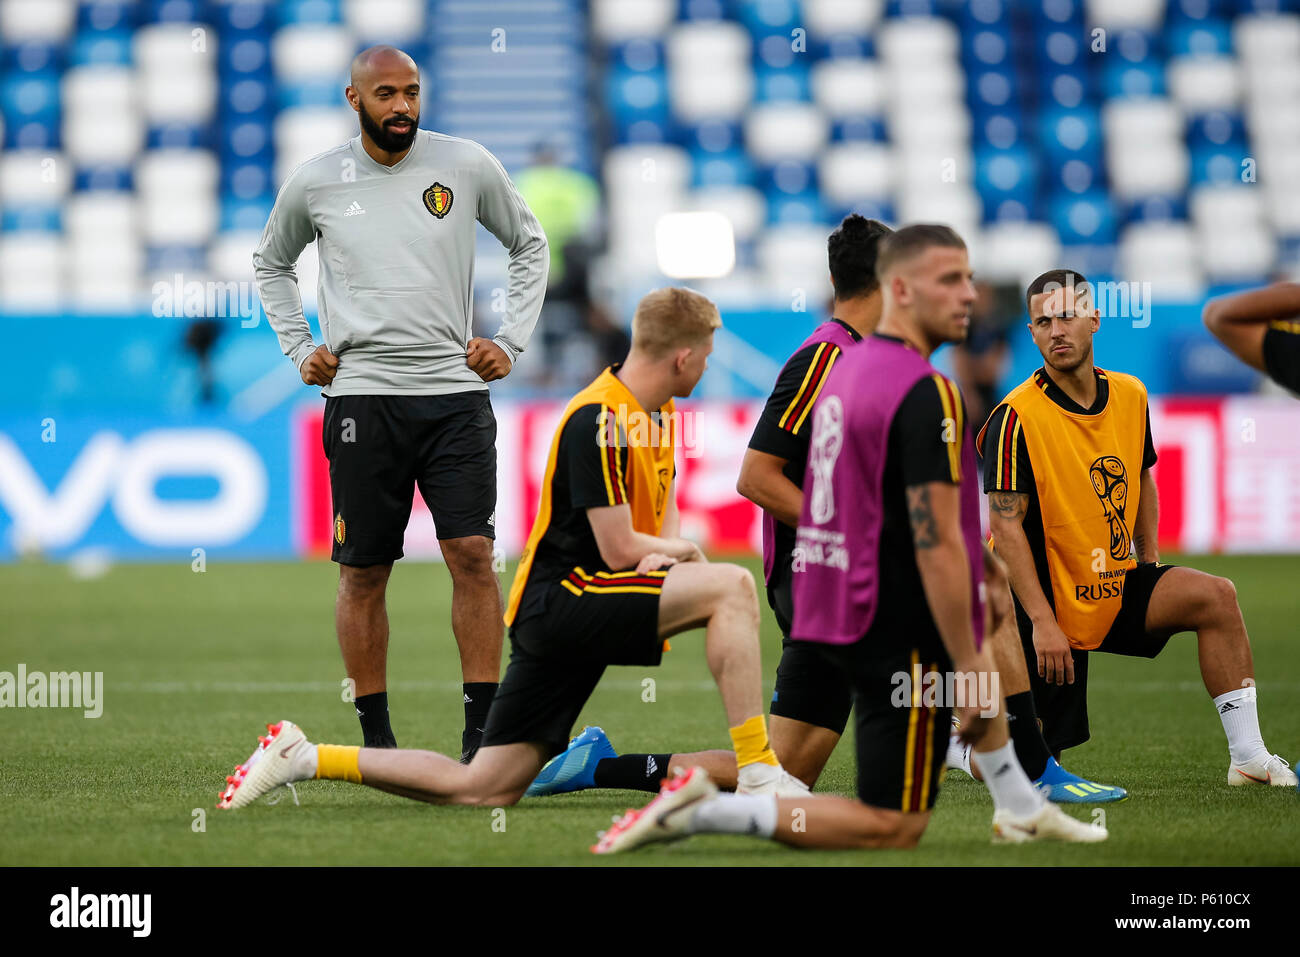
(194, 664)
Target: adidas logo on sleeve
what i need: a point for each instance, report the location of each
(354, 210)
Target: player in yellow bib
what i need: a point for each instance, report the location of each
(1073, 510)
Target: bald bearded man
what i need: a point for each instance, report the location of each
(393, 213)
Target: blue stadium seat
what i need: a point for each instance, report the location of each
(245, 16)
(103, 177)
(1007, 182)
(99, 16)
(805, 207)
(178, 136)
(246, 214)
(1218, 128)
(247, 97)
(32, 57)
(1056, 12)
(702, 10)
(176, 11)
(1218, 164)
(1070, 134)
(32, 110)
(1089, 218)
(977, 14)
(1195, 10)
(309, 11)
(102, 47)
(1199, 38)
(1154, 209)
(25, 217)
(858, 129)
(242, 55)
(769, 17)
(731, 168)
(637, 56)
(1120, 79)
(778, 85)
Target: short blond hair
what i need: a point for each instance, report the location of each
(672, 318)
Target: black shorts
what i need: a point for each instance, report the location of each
(1063, 709)
(1282, 357)
(557, 656)
(382, 447)
(809, 688)
(901, 741)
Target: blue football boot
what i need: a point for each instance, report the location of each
(574, 768)
(1061, 787)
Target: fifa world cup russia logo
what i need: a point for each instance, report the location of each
(1110, 482)
(827, 440)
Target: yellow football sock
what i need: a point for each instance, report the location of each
(750, 743)
(338, 762)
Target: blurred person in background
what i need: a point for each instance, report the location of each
(1261, 327)
(566, 202)
(980, 362)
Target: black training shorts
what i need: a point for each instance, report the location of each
(809, 688)
(1063, 709)
(557, 656)
(383, 447)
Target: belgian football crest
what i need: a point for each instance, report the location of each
(340, 529)
(1110, 482)
(437, 200)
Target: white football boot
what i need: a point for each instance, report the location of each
(283, 755)
(769, 779)
(666, 818)
(1264, 768)
(1049, 824)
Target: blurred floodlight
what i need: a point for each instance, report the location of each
(695, 245)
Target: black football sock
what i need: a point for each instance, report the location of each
(1022, 721)
(632, 772)
(478, 701)
(372, 709)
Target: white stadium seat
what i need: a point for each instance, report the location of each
(180, 97)
(918, 40)
(640, 169)
(46, 21)
(230, 257)
(384, 21)
(1236, 253)
(617, 21)
(722, 93)
(188, 220)
(779, 131)
(175, 48)
(917, 88)
(304, 132)
(831, 17)
(744, 206)
(99, 137)
(175, 173)
(1015, 252)
(110, 216)
(1267, 38)
(1202, 83)
(1163, 254)
(306, 51)
(956, 204)
(1159, 167)
(794, 258)
(851, 172)
(1135, 120)
(1216, 207)
(1112, 14)
(849, 87)
(943, 129)
(33, 176)
(96, 88)
(706, 44)
(103, 276)
(29, 271)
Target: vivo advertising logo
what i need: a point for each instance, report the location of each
(110, 469)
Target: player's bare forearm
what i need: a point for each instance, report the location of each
(941, 558)
(1278, 301)
(1145, 527)
(763, 481)
(1006, 521)
(672, 526)
(1240, 321)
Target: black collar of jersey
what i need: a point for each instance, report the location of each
(857, 336)
(1057, 394)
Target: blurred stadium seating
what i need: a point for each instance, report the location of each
(1138, 139)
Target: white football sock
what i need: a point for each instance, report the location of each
(736, 814)
(958, 754)
(753, 776)
(1007, 781)
(1240, 720)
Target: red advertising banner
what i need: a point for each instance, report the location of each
(1228, 473)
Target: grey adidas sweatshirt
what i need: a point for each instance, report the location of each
(396, 247)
